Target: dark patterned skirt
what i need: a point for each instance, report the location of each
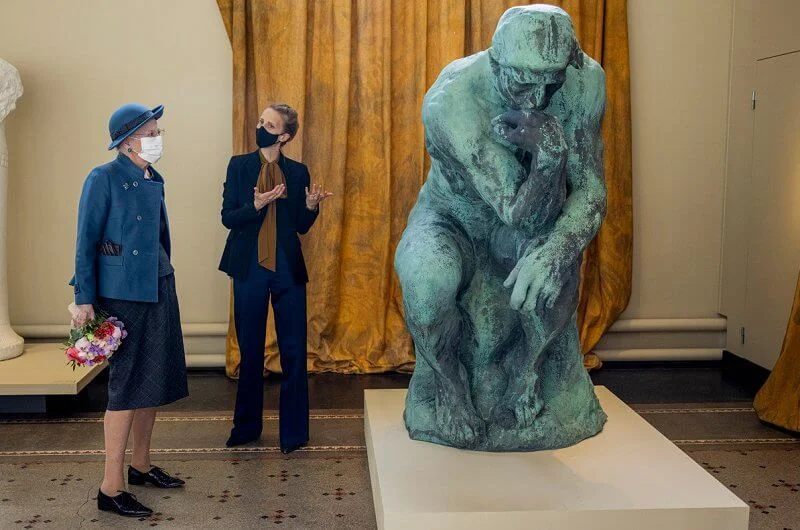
(149, 368)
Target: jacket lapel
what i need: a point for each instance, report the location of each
(252, 169)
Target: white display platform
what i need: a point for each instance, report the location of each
(627, 477)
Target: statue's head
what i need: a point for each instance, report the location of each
(10, 89)
(531, 50)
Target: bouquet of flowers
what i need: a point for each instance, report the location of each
(95, 341)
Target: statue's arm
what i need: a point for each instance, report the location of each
(459, 137)
(585, 206)
(541, 136)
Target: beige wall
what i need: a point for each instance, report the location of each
(679, 51)
(80, 59)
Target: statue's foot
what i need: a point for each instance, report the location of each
(459, 425)
(518, 411)
(526, 411)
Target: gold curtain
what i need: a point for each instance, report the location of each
(356, 71)
(778, 401)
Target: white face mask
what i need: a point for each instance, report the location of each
(152, 148)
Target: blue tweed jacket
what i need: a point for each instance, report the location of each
(119, 206)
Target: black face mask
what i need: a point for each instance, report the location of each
(265, 138)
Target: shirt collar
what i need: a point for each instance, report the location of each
(263, 159)
(133, 171)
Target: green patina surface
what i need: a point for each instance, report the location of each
(489, 262)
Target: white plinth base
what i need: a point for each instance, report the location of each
(11, 344)
(627, 477)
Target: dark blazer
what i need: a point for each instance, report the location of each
(240, 216)
(120, 206)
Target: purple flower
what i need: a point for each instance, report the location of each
(95, 350)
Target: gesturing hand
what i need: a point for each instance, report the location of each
(316, 196)
(262, 199)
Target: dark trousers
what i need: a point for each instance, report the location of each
(251, 301)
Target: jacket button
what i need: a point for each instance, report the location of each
(135, 183)
(138, 217)
(135, 252)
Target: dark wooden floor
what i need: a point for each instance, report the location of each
(725, 381)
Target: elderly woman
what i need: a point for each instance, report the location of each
(122, 266)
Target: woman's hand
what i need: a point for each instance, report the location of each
(262, 199)
(81, 314)
(316, 196)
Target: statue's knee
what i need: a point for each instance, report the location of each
(430, 300)
(429, 266)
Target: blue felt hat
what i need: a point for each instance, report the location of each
(128, 118)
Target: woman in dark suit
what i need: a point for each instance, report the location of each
(122, 266)
(267, 201)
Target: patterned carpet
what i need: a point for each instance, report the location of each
(50, 469)
(767, 479)
(309, 491)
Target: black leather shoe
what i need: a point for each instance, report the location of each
(286, 449)
(123, 504)
(156, 476)
(236, 439)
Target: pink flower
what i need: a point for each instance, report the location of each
(73, 354)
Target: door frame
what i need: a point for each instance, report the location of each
(746, 36)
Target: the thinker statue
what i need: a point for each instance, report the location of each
(490, 260)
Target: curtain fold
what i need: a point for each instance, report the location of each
(357, 71)
(778, 401)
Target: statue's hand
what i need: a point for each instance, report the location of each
(538, 279)
(528, 129)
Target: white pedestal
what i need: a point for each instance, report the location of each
(627, 477)
(11, 344)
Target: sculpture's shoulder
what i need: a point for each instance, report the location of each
(584, 92)
(453, 106)
(456, 91)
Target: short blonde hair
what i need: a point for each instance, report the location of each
(290, 118)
